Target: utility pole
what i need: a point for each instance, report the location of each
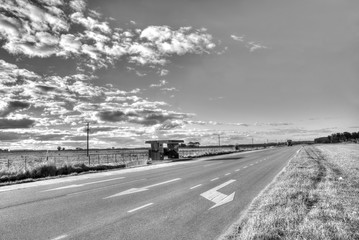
(88, 136)
(252, 143)
(219, 140)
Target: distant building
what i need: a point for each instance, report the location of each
(193, 144)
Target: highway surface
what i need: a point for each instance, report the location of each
(196, 199)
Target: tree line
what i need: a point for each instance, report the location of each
(339, 137)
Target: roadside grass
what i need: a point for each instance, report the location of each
(315, 197)
(49, 170)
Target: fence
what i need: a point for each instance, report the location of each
(17, 162)
(27, 162)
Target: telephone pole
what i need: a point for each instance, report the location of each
(219, 140)
(88, 136)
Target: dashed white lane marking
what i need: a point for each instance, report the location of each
(196, 186)
(146, 205)
(208, 165)
(84, 184)
(245, 167)
(135, 190)
(237, 170)
(96, 189)
(214, 179)
(227, 174)
(60, 237)
(251, 164)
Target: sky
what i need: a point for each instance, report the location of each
(137, 70)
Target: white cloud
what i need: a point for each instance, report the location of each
(78, 5)
(240, 39)
(52, 30)
(164, 72)
(160, 84)
(253, 46)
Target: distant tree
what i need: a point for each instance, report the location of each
(63, 149)
(330, 139)
(355, 135)
(59, 148)
(347, 136)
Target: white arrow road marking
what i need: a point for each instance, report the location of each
(217, 197)
(84, 184)
(135, 190)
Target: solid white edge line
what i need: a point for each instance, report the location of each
(214, 179)
(146, 205)
(60, 237)
(196, 186)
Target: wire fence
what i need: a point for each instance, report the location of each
(21, 161)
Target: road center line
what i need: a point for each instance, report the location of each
(208, 165)
(91, 190)
(196, 186)
(60, 237)
(82, 184)
(146, 205)
(157, 184)
(227, 174)
(214, 179)
(237, 170)
(245, 167)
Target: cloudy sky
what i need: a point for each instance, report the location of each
(148, 69)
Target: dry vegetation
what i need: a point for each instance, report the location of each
(315, 197)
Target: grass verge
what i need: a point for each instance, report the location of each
(48, 170)
(315, 197)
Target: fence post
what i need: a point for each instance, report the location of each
(98, 159)
(89, 160)
(25, 163)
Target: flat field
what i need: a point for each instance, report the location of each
(16, 162)
(316, 196)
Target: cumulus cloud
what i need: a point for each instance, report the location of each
(16, 123)
(53, 29)
(78, 5)
(13, 106)
(144, 117)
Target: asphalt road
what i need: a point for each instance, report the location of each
(184, 200)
